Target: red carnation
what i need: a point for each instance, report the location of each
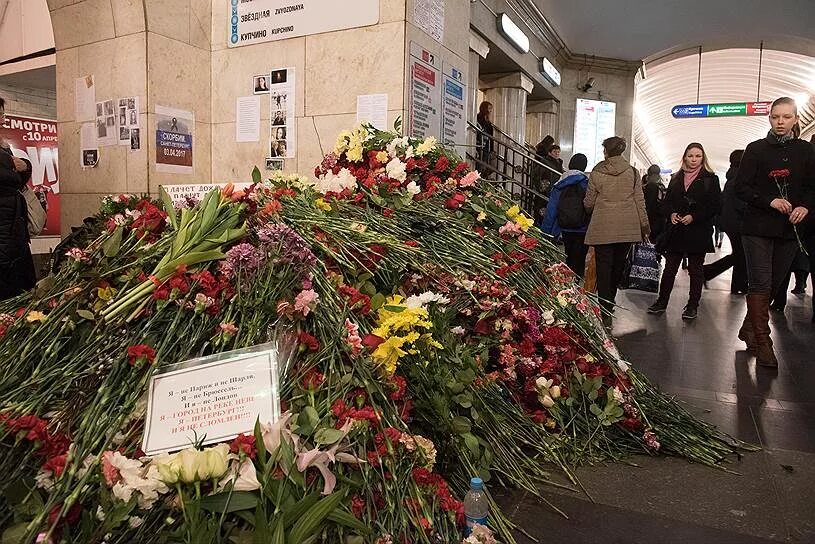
(140, 353)
(308, 341)
(780, 173)
(56, 464)
(312, 379)
(442, 164)
(244, 443)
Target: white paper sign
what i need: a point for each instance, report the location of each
(594, 122)
(220, 399)
(247, 119)
(256, 21)
(84, 99)
(454, 120)
(429, 16)
(373, 109)
(196, 191)
(88, 150)
(425, 93)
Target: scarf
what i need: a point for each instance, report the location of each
(691, 175)
(784, 138)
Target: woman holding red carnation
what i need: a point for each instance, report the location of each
(777, 181)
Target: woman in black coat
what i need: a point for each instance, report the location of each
(692, 202)
(16, 263)
(777, 181)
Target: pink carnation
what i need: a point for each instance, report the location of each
(305, 301)
(110, 472)
(510, 228)
(470, 179)
(354, 340)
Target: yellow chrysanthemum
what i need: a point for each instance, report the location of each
(106, 293)
(523, 222)
(342, 141)
(513, 212)
(35, 317)
(387, 353)
(322, 204)
(426, 146)
(382, 157)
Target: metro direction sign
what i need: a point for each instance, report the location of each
(690, 111)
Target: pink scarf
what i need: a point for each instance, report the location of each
(690, 175)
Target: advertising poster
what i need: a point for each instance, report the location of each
(175, 131)
(257, 21)
(454, 120)
(425, 93)
(36, 140)
(594, 122)
(282, 141)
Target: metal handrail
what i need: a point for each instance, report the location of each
(518, 148)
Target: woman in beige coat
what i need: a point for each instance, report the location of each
(618, 219)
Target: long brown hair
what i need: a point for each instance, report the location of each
(796, 128)
(696, 145)
(484, 110)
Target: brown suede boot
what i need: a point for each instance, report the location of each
(746, 333)
(758, 308)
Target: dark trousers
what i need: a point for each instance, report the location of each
(800, 268)
(610, 262)
(576, 251)
(738, 281)
(696, 270)
(768, 261)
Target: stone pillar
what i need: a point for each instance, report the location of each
(508, 94)
(479, 49)
(541, 120)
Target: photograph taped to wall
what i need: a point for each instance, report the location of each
(260, 84)
(278, 118)
(278, 133)
(135, 143)
(274, 164)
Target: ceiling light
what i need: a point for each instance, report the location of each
(512, 33)
(801, 99)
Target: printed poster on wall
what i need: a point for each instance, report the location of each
(175, 130)
(425, 93)
(594, 121)
(256, 21)
(35, 140)
(454, 117)
(429, 16)
(282, 141)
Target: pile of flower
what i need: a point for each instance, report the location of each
(429, 334)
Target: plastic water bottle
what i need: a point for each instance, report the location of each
(476, 507)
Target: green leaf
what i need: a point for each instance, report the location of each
(395, 309)
(86, 314)
(167, 204)
(256, 176)
(113, 244)
(298, 509)
(460, 425)
(377, 301)
(278, 531)
(261, 447)
(472, 444)
(455, 387)
(594, 409)
(240, 500)
(346, 519)
(327, 436)
(310, 523)
(466, 376)
(14, 534)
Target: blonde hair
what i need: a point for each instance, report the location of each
(796, 128)
(696, 145)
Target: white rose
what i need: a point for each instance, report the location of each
(554, 391)
(412, 188)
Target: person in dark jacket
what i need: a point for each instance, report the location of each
(777, 181)
(692, 201)
(654, 191)
(573, 237)
(16, 263)
(551, 175)
(484, 139)
(730, 222)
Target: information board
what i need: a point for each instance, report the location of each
(425, 93)
(257, 21)
(594, 121)
(454, 120)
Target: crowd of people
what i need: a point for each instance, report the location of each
(763, 209)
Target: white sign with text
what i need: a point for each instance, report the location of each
(217, 400)
(257, 21)
(197, 191)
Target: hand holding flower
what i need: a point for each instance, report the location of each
(782, 205)
(798, 215)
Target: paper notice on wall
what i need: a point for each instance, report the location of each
(247, 119)
(425, 93)
(127, 119)
(454, 120)
(429, 16)
(283, 137)
(106, 128)
(88, 150)
(373, 109)
(175, 132)
(195, 192)
(84, 99)
(213, 399)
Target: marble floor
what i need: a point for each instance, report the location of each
(669, 500)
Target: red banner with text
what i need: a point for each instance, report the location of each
(36, 140)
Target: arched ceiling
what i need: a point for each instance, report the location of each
(639, 29)
(729, 75)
